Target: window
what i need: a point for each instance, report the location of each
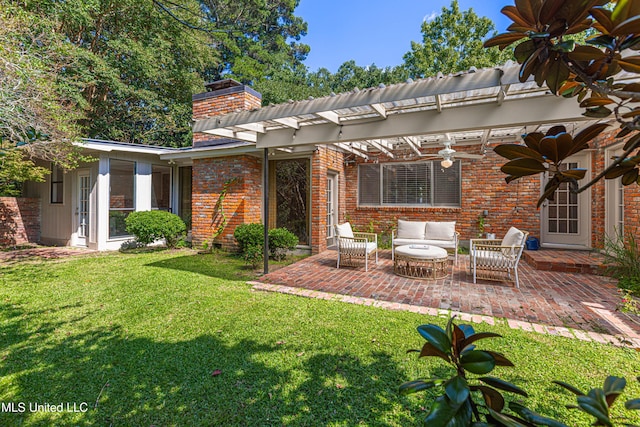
(409, 184)
(121, 195)
(57, 184)
(161, 188)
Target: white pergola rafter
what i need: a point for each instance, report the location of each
(381, 147)
(351, 150)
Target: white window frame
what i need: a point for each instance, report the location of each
(430, 192)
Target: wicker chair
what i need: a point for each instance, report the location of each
(353, 247)
(495, 259)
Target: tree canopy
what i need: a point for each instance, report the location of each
(451, 42)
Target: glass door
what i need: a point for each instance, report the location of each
(82, 209)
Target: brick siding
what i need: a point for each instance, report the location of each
(19, 221)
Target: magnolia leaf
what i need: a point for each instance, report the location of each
(479, 336)
(633, 113)
(532, 140)
(604, 41)
(533, 417)
(529, 66)
(516, 151)
(630, 177)
(556, 130)
(617, 172)
(557, 74)
(503, 385)
(576, 174)
(595, 405)
(504, 420)
(492, 397)
(632, 404)
(631, 141)
(549, 11)
(411, 387)
(586, 53)
(512, 13)
(589, 133)
(500, 359)
(445, 413)
(603, 16)
(630, 43)
(624, 131)
(524, 50)
(595, 101)
(597, 112)
(429, 350)
(566, 46)
(623, 10)
(548, 192)
(457, 389)
(503, 40)
(564, 145)
(523, 167)
(613, 387)
(549, 148)
(435, 335)
(478, 362)
(629, 26)
(630, 63)
(528, 10)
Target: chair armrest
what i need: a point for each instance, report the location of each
(371, 237)
(484, 242)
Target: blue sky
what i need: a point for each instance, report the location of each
(375, 31)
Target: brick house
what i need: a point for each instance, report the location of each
(369, 156)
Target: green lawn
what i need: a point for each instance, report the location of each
(178, 338)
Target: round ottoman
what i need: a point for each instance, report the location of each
(421, 262)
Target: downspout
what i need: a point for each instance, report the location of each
(265, 208)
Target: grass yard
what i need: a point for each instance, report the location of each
(178, 338)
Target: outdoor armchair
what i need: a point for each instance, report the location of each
(353, 247)
(495, 259)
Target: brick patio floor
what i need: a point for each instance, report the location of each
(563, 303)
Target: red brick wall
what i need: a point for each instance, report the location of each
(19, 221)
(483, 188)
(324, 160)
(241, 204)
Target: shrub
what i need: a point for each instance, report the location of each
(253, 255)
(469, 397)
(622, 257)
(249, 235)
(250, 238)
(281, 240)
(149, 226)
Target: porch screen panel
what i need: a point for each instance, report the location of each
(121, 195)
(406, 184)
(369, 184)
(447, 185)
(185, 195)
(161, 188)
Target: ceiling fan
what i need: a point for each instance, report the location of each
(448, 155)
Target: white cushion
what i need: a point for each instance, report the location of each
(447, 244)
(514, 238)
(440, 230)
(344, 230)
(411, 229)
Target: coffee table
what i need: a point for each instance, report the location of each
(421, 262)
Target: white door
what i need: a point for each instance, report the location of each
(332, 207)
(566, 221)
(82, 208)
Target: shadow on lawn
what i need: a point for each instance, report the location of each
(223, 266)
(127, 380)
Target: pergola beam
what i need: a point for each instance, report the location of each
(512, 113)
(329, 115)
(380, 147)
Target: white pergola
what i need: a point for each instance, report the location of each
(468, 108)
(471, 109)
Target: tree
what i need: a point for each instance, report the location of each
(36, 118)
(589, 71)
(453, 42)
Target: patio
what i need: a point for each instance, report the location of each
(564, 303)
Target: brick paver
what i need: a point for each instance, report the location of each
(547, 301)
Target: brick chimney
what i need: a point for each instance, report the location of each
(222, 97)
(238, 177)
